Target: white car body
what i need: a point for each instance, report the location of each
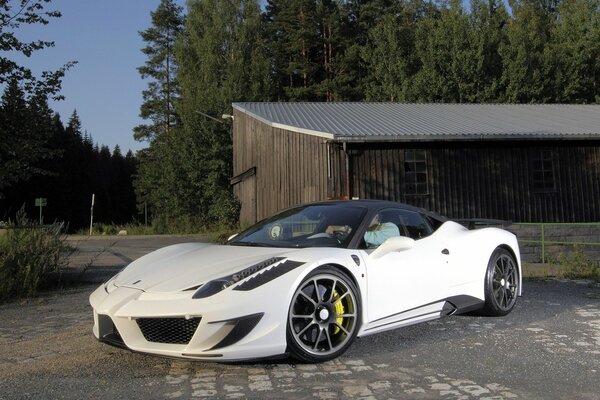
(403, 282)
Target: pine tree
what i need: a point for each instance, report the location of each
(23, 135)
(389, 55)
(160, 67)
(292, 26)
(217, 59)
(527, 66)
(488, 25)
(446, 52)
(575, 49)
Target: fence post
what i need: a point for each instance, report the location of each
(543, 246)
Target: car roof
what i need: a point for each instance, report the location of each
(372, 204)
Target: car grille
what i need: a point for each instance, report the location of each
(168, 330)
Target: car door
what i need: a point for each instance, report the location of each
(408, 279)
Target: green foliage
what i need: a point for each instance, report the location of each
(575, 264)
(14, 15)
(29, 256)
(64, 167)
(390, 56)
(527, 63)
(526, 51)
(163, 91)
(575, 51)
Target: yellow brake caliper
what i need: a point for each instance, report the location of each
(339, 310)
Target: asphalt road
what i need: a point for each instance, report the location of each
(547, 348)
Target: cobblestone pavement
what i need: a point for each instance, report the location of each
(548, 347)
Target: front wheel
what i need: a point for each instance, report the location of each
(501, 283)
(323, 317)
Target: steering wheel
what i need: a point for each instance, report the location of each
(340, 235)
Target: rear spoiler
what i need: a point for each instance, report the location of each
(474, 223)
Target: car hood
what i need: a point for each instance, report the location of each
(184, 266)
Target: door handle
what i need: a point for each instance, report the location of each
(446, 252)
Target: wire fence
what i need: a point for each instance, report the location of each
(552, 237)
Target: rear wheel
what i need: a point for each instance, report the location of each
(501, 283)
(323, 316)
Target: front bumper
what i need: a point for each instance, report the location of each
(227, 326)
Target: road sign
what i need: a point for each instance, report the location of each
(41, 202)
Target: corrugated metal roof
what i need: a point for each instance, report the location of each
(412, 122)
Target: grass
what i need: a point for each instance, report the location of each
(575, 264)
(216, 234)
(31, 256)
(571, 263)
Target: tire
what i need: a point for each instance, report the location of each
(501, 284)
(323, 317)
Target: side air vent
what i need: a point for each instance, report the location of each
(108, 331)
(168, 330)
(243, 326)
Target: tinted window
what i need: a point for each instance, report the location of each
(410, 223)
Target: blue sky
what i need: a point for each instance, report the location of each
(104, 86)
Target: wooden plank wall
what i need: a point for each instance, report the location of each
(291, 168)
(493, 180)
(466, 180)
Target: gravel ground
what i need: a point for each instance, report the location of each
(547, 348)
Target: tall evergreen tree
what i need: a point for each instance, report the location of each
(339, 64)
(575, 49)
(160, 67)
(295, 43)
(23, 137)
(488, 29)
(527, 67)
(389, 55)
(217, 58)
(446, 53)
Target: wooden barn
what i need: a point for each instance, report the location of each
(525, 163)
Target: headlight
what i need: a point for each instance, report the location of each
(215, 286)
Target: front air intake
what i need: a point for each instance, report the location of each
(168, 330)
(108, 332)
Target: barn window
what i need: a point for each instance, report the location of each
(543, 172)
(415, 172)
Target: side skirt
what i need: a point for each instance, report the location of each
(435, 310)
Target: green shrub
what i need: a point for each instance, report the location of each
(576, 264)
(29, 256)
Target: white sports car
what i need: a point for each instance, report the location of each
(306, 282)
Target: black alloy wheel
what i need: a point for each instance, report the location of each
(501, 283)
(323, 317)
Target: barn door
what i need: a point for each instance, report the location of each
(244, 188)
(247, 189)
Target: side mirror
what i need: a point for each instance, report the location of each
(232, 236)
(397, 243)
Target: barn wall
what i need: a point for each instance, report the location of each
(291, 168)
(487, 180)
(465, 179)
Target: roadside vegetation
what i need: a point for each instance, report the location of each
(576, 264)
(215, 234)
(31, 256)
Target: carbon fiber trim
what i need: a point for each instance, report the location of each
(268, 275)
(243, 326)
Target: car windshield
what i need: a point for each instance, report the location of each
(323, 225)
